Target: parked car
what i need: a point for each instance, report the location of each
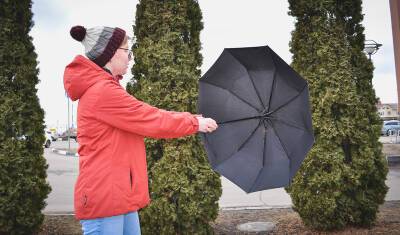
(389, 126)
(53, 135)
(71, 133)
(48, 140)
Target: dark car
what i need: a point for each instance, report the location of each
(71, 133)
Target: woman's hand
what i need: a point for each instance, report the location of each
(206, 125)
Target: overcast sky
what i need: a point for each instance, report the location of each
(227, 23)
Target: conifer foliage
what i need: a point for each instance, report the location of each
(23, 186)
(183, 189)
(342, 180)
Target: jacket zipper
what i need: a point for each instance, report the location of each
(130, 178)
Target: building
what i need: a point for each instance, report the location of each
(388, 111)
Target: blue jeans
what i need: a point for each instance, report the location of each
(127, 224)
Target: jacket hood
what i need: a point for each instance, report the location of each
(81, 74)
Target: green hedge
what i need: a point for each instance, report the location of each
(184, 190)
(23, 186)
(342, 180)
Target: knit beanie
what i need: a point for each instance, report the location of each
(100, 43)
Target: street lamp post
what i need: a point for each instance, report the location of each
(371, 47)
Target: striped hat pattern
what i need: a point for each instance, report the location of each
(100, 43)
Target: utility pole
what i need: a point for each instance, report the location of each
(395, 14)
(68, 129)
(72, 114)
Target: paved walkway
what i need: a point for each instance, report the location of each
(235, 198)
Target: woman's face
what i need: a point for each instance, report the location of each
(119, 62)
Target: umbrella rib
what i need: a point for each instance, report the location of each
(265, 137)
(243, 143)
(258, 175)
(283, 105)
(273, 84)
(244, 101)
(238, 120)
(254, 86)
(289, 124)
(206, 139)
(241, 146)
(283, 146)
(252, 82)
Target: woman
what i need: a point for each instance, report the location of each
(112, 184)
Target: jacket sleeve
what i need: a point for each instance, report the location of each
(119, 109)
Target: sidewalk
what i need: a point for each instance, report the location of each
(65, 149)
(63, 170)
(233, 198)
(393, 149)
(64, 152)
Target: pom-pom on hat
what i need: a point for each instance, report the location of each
(100, 43)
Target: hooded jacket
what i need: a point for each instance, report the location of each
(112, 126)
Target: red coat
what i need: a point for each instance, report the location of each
(111, 128)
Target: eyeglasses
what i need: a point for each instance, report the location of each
(128, 50)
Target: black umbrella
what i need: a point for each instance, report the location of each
(262, 107)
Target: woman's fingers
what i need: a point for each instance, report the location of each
(207, 124)
(211, 125)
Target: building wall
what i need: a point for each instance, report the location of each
(388, 112)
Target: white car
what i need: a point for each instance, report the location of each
(390, 127)
(48, 140)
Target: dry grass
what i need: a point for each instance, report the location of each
(287, 222)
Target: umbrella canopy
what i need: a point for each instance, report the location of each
(262, 107)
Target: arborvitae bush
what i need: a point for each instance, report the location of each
(183, 189)
(342, 180)
(23, 187)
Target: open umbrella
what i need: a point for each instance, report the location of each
(262, 107)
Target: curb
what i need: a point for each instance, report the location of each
(65, 153)
(231, 208)
(59, 213)
(236, 208)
